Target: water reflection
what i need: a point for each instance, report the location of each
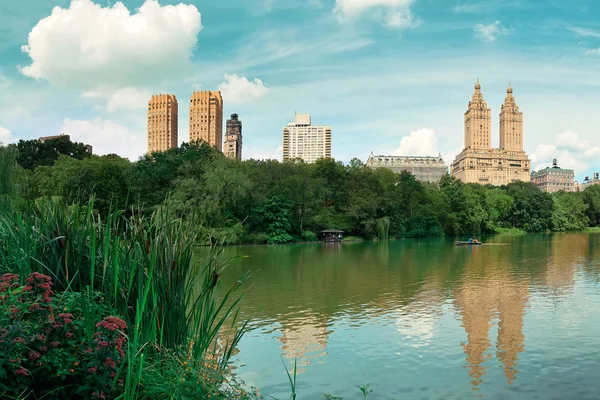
(315, 294)
(304, 342)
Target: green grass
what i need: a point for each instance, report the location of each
(592, 229)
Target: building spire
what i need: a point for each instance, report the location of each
(477, 85)
(509, 90)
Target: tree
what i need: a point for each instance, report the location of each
(591, 197)
(273, 218)
(35, 153)
(569, 212)
(532, 210)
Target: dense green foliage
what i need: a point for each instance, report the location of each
(35, 153)
(272, 202)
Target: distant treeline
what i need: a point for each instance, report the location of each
(272, 202)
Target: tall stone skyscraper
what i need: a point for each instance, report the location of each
(162, 123)
(206, 118)
(306, 141)
(511, 124)
(478, 122)
(478, 162)
(233, 138)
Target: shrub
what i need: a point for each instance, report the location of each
(257, 238)
(46, 347)
(309, 236)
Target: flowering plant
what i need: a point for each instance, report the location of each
(45, 347)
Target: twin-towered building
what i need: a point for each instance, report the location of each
(479, 162)
(206, 123)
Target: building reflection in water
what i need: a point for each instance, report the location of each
(304, 342)
(493, 287)
(490, 290)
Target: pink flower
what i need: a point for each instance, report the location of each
(92, 370)
(69, 335)
(112, 324)
(109, 363)
(44, 348)
(55, 344)
(34, 355)
(21, 371)
(41, 338)
(19, 340)
(98, 395)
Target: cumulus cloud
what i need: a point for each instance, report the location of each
(569, 149)
(491, 32)
(88, 46)
(393, 13)
(593, 52)
(106, 137)
(423, 142)
(237, 89)
(127, 98)
(5, 136)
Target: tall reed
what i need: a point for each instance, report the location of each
(144, 267)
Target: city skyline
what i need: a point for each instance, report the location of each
(361, 69)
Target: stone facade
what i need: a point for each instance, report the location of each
(303, 140)
(206, 118)
(554, 179)
(425, 169)
(233, 138)
(162, 123)
(478, 162)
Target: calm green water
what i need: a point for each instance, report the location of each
(517, 318)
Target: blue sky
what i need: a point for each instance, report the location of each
(390, 76)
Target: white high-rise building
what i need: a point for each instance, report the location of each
(306, 141)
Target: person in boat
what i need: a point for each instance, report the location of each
(470, 240)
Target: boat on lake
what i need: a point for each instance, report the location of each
(473, 243)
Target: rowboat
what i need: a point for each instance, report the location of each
(468, 243)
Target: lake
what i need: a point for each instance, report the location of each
(516, 318)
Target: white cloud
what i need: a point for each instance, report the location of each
(89, 46)
(127, 98)
(584, 32)
(262, 153)
(423, 142)
(106, 137)
(5, 136)
(491, 32)
(570, 151)
(593, 52)
(237, 89)
(396, 13)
